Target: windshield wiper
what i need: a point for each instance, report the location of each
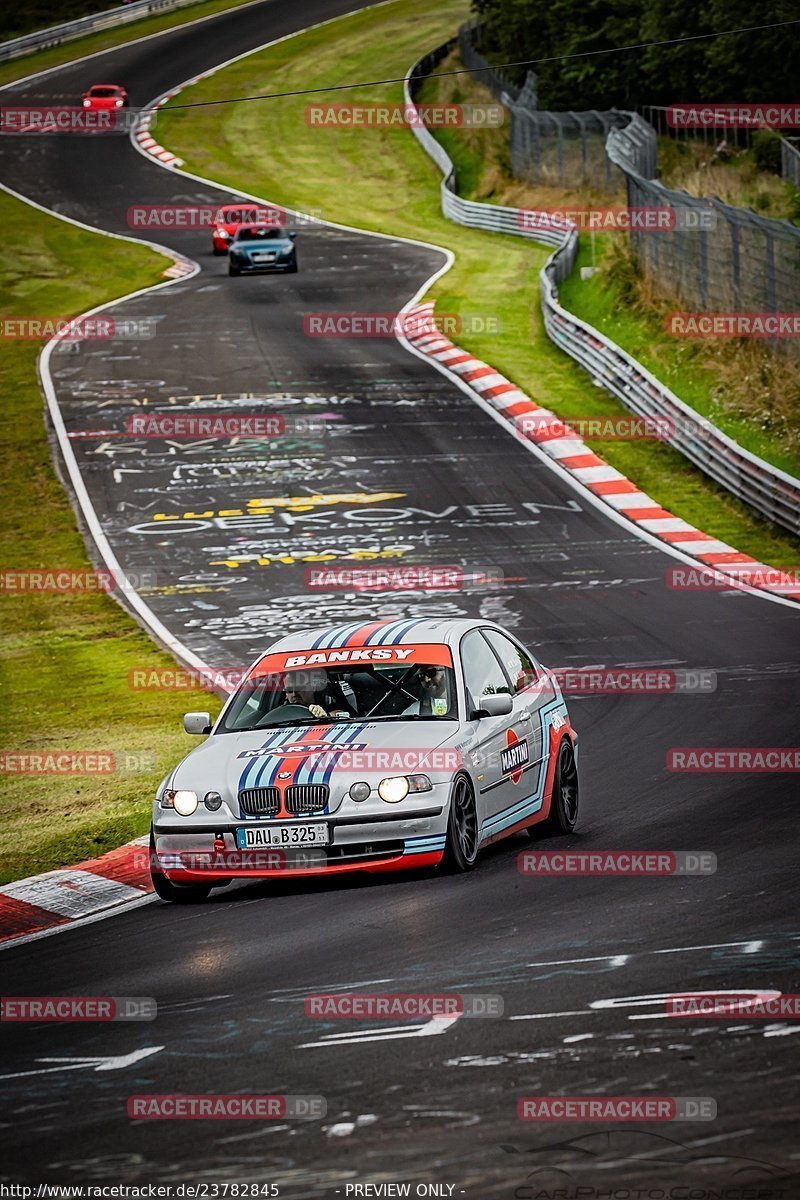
(410, 717)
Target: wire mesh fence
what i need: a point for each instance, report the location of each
(767, 489)
(547, 147)
(712, 255)
(705, 254)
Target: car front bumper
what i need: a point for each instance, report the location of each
(385, 842)
(264, 268)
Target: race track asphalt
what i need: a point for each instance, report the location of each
(432, 1106)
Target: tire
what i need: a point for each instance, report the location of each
(563, 816)
(461, 845)
(233, 270)
(292, 269)
(219, 253)
(174, 893)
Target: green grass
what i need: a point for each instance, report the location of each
(55, 56)
(381, 179)
(733, 175)
(66, 657)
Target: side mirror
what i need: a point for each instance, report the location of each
(293, 235)
(197, 722)
(498, 705)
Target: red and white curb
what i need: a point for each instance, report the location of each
(34, 906)
(146, 142)
(145, 139)
(572, 454)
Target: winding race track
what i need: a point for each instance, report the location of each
(408, 463)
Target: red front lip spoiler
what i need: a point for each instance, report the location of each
(397, 862)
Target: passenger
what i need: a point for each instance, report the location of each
(434, 701)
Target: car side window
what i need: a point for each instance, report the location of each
(519, 667)
(483, 674)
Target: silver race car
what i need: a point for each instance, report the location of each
(388, 746)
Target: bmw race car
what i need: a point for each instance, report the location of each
(388, 746)
(257, 248)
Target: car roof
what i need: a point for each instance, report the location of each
(408, 632)
(116, 86)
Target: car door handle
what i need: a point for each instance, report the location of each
(523, 716)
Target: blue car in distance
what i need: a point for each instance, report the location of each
(260, 248)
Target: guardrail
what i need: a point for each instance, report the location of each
(56, 34)
(770, 491)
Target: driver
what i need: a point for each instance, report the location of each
(302, 687)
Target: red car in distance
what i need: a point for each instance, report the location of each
(104, 97)
(230, 216)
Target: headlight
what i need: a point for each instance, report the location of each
(360, 791)
(184, 802)
(87, 104)
(212, 800)
(223, 233)
(118, 103)
(397, 787)
(394, 789)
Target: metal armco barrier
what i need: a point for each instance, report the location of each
(44, 38)
(770, 491)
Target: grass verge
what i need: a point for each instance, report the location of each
(107, 39)
(380, 179)
(65, 657)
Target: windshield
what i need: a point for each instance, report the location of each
(104, 91)
(261, 233)
(418, 687)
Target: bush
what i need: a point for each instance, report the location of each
(767, 151)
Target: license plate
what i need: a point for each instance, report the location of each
(284, 834)
(263, 258)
